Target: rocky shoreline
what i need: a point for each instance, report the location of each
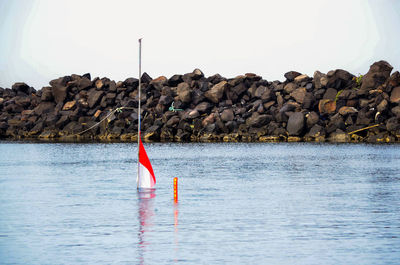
(336, 107)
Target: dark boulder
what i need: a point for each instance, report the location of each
(227, 115)
(290, 76)
(316, 131)
(396, 111)
(165, 100)
(216, 92)
(330, 94)
(289, 88)
(84, 83)
(312, 119)
(44, 107)
(145, 78)
(295, 124)
(395, 95)
(339, 79)
(94, 97)
(320, 80)
(61, 81)
(336, 122)
(184, 92)
(393, 124)
(59, 93)
(131, 82)
(22, 101)
(299, 94)
(175, 80)
(377, 75)
(258, 120)
(21, 87)
(47, 94)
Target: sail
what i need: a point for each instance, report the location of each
(145, 178)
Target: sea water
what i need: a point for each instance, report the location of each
(241, 203)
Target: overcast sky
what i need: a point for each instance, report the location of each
(42, 40)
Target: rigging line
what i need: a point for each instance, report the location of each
(108, 115)
(369, 127)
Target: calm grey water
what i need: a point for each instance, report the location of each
(238, 204)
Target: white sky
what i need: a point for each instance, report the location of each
(42, 40)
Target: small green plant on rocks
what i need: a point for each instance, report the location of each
(358, 80)
(338, 94)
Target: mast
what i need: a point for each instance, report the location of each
(139, 88)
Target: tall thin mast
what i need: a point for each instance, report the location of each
(139, 88)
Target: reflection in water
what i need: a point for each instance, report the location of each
(146, 213)
(176, 242)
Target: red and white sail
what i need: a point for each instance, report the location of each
(145, 178)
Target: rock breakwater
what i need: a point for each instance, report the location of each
(337, 106)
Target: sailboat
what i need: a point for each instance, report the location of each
(145, 175)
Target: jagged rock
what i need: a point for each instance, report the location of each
(94, 97)
(308, 101)
(69, 105)
(289, 106)
(22, 101)
(320, 80)
(345, 110)
(131, 82)
(330, 94)
(299, 94)
(295, 125)
(377, 75)
(289, 88)
(260, 91)
(363, 118)
(290, 76)
(21, 87)
(216, 92)
(165, 100)
(393, 81)
(193, 114)
(197, 74)
(61, 81)
(395, 95)
(84, 83)
(339, 79)
(258, 120)
(172, 121)
(44, 107)
(99, 84)
(326, 106)
(317, 132)
(175, 80)
(59, 93)
(145, 78)
(301, 78)
(64, 120)
(312, 119)
(396, 111)
(336, 122)
(393, 124)
(203, 107)
(227, 115)
(184, 92)
(382, 106)
(47, 94)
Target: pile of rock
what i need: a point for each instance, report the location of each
(245, 108)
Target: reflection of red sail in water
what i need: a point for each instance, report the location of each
(145, 218)
(145, 178)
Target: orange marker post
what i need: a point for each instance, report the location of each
(175, 190)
